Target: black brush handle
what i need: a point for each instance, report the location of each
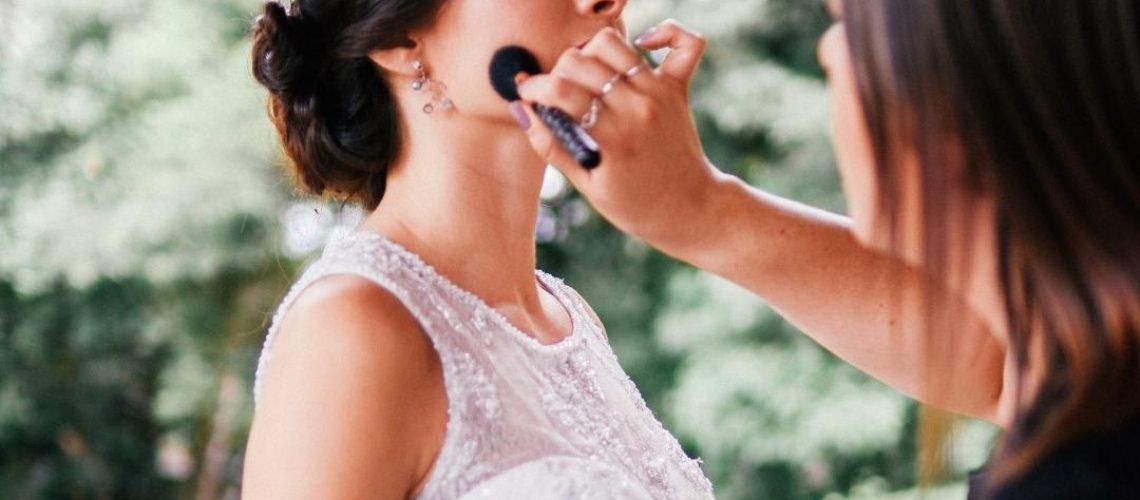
(577, 142)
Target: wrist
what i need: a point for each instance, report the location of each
(698, 218)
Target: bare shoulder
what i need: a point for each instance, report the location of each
(345, 325)
(354, 305)
(353, 398)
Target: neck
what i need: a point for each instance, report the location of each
(982, 292)
(982, 286)
(464, 196)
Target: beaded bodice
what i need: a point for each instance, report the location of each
(525, 419)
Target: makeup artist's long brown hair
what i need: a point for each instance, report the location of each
(1034, 104)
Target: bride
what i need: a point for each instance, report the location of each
(422, 355)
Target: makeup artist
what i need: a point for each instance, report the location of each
(990, 261)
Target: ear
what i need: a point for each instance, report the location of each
(398, 59)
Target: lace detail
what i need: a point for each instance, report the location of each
(563, 478)
(525, 419)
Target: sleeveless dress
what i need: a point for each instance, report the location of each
(525, 420)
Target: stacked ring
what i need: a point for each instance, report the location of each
(633, 71)
(591, 117)
(609, 85)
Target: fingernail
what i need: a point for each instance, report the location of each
(645, 36)
(517, 111)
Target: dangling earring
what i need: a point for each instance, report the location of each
(436, 90)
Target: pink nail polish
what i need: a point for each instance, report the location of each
(517, 111)
(645, 36)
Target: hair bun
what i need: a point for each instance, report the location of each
(283, 51)
(333, 107)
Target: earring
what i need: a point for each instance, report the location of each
(436, 90)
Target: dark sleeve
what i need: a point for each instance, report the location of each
(1105, 466)
(1063, 480)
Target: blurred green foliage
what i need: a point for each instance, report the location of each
(143, 222)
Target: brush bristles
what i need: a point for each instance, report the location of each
(506, 64)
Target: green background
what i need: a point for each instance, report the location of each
(148, 230)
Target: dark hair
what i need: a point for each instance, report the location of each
(331, 104)
(1036, 105)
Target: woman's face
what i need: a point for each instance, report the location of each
(458, 46)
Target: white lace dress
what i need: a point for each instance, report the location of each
(526, 420)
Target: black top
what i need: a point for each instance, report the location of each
(1105, 466)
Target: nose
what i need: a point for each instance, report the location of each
(609, 9)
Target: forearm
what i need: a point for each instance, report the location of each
(866, 307)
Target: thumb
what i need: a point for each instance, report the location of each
(545, 144)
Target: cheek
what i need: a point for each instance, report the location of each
(470, 31)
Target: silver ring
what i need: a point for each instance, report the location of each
(591, 117)
(631, 72)
(610, 84)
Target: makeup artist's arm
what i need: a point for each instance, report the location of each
(655, 182)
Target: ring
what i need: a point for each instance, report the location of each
(609, 85)
(631, 72)
(591, 117)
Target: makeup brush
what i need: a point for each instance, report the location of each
(506, 65)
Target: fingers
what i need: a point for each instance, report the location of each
(610, 69)
(547, 147)
(611, 48)
(686, 48)
(579, 76)
(588, 72)
(574, 83)
(557, 91)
